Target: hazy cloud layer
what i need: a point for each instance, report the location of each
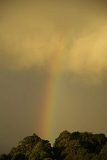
(35, 33)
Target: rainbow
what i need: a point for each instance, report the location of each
(52, 91)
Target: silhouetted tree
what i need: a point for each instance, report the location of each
(68, 146)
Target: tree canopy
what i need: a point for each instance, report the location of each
(68, 146)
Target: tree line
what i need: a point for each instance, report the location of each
(68, 146)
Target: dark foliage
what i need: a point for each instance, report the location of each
(68, 146)
(80, 146)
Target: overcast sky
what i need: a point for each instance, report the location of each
(36, 36)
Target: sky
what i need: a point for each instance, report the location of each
(53, 66)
